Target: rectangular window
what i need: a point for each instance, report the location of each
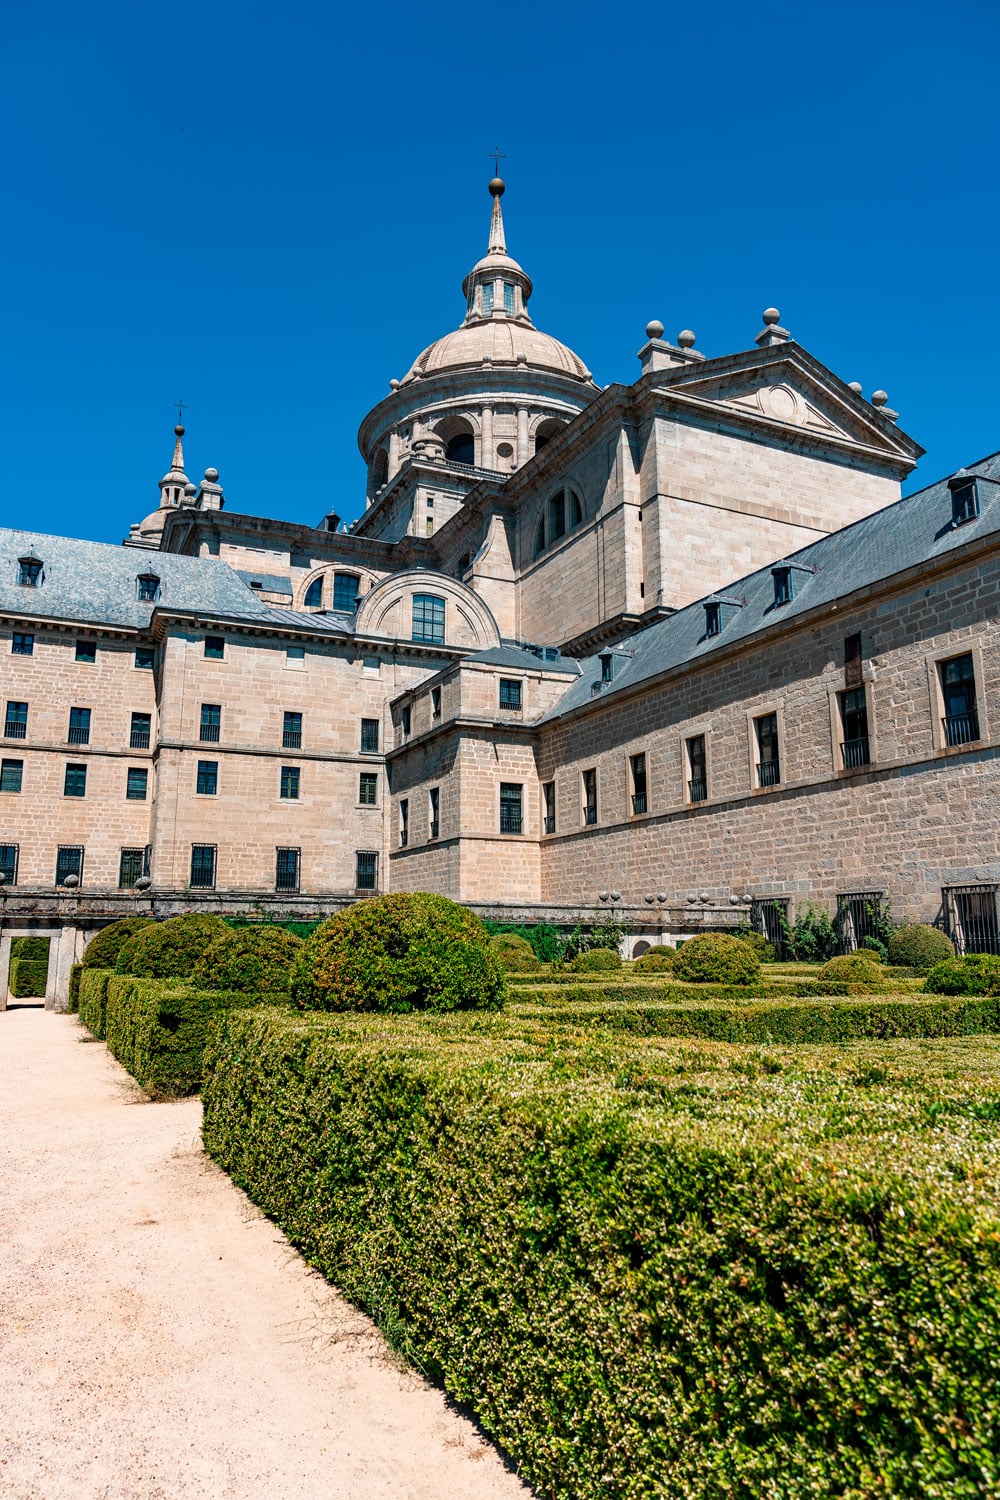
(145, 658)
(8, 863)
(487, 302)
(294, 655)
(590, 796)
(86, 651)
(133, 864)
(970, 914)
(207, 783)
(291, 730)
(79, 726)
(853, 661)
(405, 718)
(16, 723)
(854, 748)
(549, 806)
(11, 775)
(75, 783)
(146, 588)
(713, 618)
(369, 736)
(508, 296)
(769, 917)
(368, 789)
(784, 588)
(958, 690)
(139, 732)
(366, 870)
(22, 644)
(137, 784)
(964, 501)
(768, 762)
(203, 867)
(435, 703)
(404, 822)
(510, 695)
(697, 769)
(345, 591)
(215, 647)
(428, 619)
(434, 812)
(289, 791)
(69, 864)
(510, 807)
(639, 798)
(860, 914)
(211, 723)
(286, 869)
(29, 572)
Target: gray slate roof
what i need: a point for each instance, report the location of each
(517, 657)
(272, 582)
(915, 530)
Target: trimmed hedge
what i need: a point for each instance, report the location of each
(93, 994)
(975, 974)
(860, 969)
(658, 960)
(592, 987)
(157, 1029)
(74, 988)
(650, 1271)
(595, 961)
(28, 977)
(254, 960)
(31, 949)
(515, 953)
(919, 946)
(104, 947)
(716, 958)
(165, 950)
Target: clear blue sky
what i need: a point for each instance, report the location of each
(269, 209)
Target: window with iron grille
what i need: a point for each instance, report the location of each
(290, 777)
(697, 769)
(368, 789)
(369, 736)
(860, 915)
(140, 731)
(145, 658)
(11, 775)
(291, 730)
(768, 763)
(211, 723)
(970, 916)
(215, 647)
(639, 798)
(589, 779)
(404, 822)
(314, 594)
(22, 644)
(203, 858)
(769, 917)
(136, 784)
(428, 619)
(86, 651)
(8, 863)
(366, 870)
(345, 591)
(147, 586)
(75, 783)
(29, 572)
(854, 748)
(510, 694)
(958, 690)
(549, 806)
(69, 861)
(286, 869)
(79, 726)
(207, 782)
(133, 864)
(16, 722)
(434, 812)
(510, 807)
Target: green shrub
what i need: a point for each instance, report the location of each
(716, 958)
(254, 960)
(765, 1285)
(861, 970)
(33, 949)
(545, 940)
(93, 993)
(812, 938)
(514, 953)
(164, 950)
(595, 960)
(302, 930)
(74, 988)
(411, 951)
(975, 974)
(658, 960)
(758, 942)
(157, 1029)
(28, 977)
(918, 946)
(874, 945)
(103, 949)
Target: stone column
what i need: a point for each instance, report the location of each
(522, 436)
(393, 455)
(487, 457)
(62, 957)
(5, 938)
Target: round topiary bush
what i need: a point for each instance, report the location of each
(412, 951)
(658, 960)
(166, 950)
(759, 943)
(860, 969)
(253, 960)
(102, 951)
(975, 974)
(716, 958)
(515, 953)
(918, 946)
(595, 960)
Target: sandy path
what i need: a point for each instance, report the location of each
(158, 1337)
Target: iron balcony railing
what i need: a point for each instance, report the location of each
(697, 790)
(855, 753)
(79, 734)
(510, 822)
(550, 823)
(209, 734)
(15, 730)
(638, 803)
(291, 739)
(961, 729)
(768, 772)
(139, 739)
(510, 705)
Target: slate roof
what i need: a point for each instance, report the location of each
(272, 582)
(317, 624)
(912, 531)
(517, 657)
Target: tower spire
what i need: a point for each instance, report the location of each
(498, 244)
(173, 483)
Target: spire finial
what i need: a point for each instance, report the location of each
(498, 244)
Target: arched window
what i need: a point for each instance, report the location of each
(345, 591)
(461, 449)
(557, 516)
(29, 572)
(540, 537)
(380, 470)
(575, 509)
(428, 619)
(546, 431)
(147, 587)
(314, 594)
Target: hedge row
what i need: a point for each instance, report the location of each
(644, 1282)
(670, 990)
(34, 949)
(28, 977)
(92, 996)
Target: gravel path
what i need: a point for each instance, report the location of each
(159, 1338)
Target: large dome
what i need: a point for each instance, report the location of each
(497, 343)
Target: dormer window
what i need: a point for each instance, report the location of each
(29, 572)
(964, 501)
(713, 618)
(147, 587)
(314, 594)
(784, 588)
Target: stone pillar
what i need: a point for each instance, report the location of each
(487, 457)
(393, 455)
(522, 436)
(63, 953)
(5, 938)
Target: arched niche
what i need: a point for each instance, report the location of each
(327, 587)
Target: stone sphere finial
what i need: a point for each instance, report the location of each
(855, 386)
(771, 315)
(654, 329)
(879, 398)
(497, 187)
(685, 339)
(211, 475)
(178, 431)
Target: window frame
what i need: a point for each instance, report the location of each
(437, 631)
(13, 769)
(147, 588)
(291, 732)
(635, 795)
(207, 772)
(839, 730)
(62, 849)
(78, 776)
(296, 883)
(341, 607)
(359, 884)
(13, 724)
(775, 710)
(290, 784)
(86, 653)
(368, 783)
(433, 813)
(214, 649)
(588, 782)
(512, 792)
(139, 738)
(135, 772)
(935, 662)
(404, 822)
(550, 815)
(22, 643)
(371, 729)
(692, 733)
(508, 683)
(210, 724)
(78, 728)
(144, 665)
(143, 864)
(204, 885)
(10, 864)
